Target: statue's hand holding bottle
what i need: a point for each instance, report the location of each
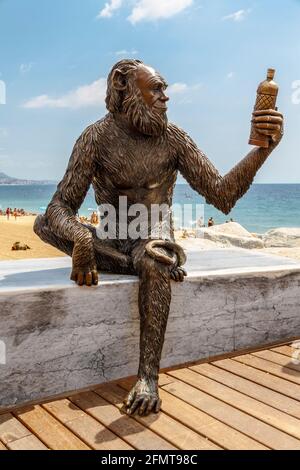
(267, 122)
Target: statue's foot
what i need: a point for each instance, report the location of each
(143, 398)
(178, 274)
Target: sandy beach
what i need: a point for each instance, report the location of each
(21, 230)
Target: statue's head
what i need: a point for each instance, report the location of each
(137, 91)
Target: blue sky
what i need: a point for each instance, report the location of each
(55, 56)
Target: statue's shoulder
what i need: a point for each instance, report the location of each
(175, 133)
(97, 129)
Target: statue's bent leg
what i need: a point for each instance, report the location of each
(108, 257)
(43, 230)
(154, 306)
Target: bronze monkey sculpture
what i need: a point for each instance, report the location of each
(135, 152)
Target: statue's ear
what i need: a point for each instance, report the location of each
(119, 80)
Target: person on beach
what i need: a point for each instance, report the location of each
(211, 222)
(7, 213)
(15, 213)
(94, 218)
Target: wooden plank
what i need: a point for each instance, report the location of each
(280, 359)
(218, 432)
(96, 435)
(257, 409)
(122, 425)
(85, 427)
(263, 378)
(27, 443)
(48, 429)
(269, 367)
(238, 419)
(11, 429)
(258, 392)
(163, 425)
(163, 379)
(64, 410)
(286, 350)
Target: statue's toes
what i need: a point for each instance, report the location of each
(136, 403)
(128, 402)
(143, 404)
(154, 405)
(150, 404)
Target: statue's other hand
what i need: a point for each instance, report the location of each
(269, 122)
(85, 276)
(84, 270)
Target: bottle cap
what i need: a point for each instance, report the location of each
(271, 74)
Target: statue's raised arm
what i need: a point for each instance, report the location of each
(201, 174)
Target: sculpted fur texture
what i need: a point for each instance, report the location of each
(135, 152)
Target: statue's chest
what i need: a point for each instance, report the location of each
(137, 163)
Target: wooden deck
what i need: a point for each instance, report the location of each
(251, 401)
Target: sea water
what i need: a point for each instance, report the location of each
(263, 207)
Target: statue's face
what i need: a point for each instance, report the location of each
(145, 104)
(152, 88)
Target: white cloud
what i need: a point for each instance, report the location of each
(296, 93)
(177, 88)
(124, 52)
(25, 68)
(2, 92)
(110, 8)
(146, 10)
(149, 10)
(237, 16)
(83, 96)
(183, 89)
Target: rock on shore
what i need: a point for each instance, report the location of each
(282, 237)
(230, 234)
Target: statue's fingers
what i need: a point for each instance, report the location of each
(95, 277)
(264, 132)
(268, 119)
(80, 279)
(267, 112)
(181, 276)
(144, 406)
(176, 274)
(73, 276)
(89, 279)
(266, 126)
(184, 271)
(172, 276)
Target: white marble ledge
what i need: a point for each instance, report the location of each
(54, 273)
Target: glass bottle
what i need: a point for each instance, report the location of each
(267, 93)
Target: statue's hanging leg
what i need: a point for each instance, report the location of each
(154, 306)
